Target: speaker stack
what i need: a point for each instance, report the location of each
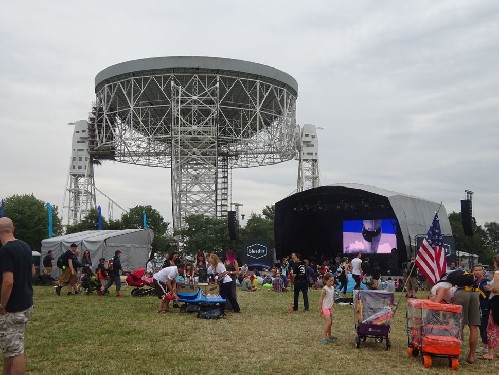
(232, 223)
(467, 217)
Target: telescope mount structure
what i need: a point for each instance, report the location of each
(198, 116)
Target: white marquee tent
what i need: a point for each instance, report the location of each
(135, 245)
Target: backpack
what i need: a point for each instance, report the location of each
(460, 278)
(61, 262)
(209, 311)
(110, 265)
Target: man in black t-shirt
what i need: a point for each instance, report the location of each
(300, 282)
(48, 263)
(16, 298)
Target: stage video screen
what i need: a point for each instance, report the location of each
(370, 236)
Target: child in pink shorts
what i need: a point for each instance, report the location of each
(326, 302)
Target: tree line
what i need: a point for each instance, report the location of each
(30, 218)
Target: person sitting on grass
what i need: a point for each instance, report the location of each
(247, 286)
(326, 303)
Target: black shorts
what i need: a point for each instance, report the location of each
(160, 288)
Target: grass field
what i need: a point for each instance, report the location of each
(108, 335)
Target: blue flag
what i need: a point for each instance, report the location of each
(145, 219)
(99, 219)
(49, 213)
(3, 208)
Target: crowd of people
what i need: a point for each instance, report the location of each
(478, 295)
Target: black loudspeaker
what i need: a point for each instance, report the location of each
(467, 217)
(232, 223)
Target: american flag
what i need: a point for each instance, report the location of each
(431, 255)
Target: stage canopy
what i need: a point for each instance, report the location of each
(312, 222)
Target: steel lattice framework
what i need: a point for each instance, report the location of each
(199, 116)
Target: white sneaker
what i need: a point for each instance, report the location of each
(481, 350)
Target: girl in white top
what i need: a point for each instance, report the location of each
(326, 302)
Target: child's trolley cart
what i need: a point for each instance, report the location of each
(433, 330)
(373, 311)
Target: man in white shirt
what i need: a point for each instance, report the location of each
(357, 270)
(164, 282)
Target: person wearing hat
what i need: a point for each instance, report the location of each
(114, 271)
(68, 276)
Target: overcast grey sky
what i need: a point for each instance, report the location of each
(407, 92)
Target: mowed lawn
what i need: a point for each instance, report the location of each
(108, 335)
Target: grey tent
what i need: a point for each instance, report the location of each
(135, 245)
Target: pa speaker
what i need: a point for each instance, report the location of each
(232, 223)
(467, 217)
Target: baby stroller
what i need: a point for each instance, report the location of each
(373, 311)
(434, 330)
(142, 283)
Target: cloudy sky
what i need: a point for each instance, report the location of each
(407, 93)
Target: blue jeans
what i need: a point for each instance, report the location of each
(284, 281)
(113, 279)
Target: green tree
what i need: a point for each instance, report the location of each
(269, 212)
(258, 228)
(89, 222)
(475, 244)
(134, 219)
(206, 234)
(30, 217)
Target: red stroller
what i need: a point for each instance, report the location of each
(142, 283)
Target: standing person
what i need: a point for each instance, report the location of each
(114, 273)
(201, 268)
(69, 276)
(493, 324)
(217, 268)
(165, 285)
(175, 259)
(326, 303)
(483, 295)
(150, 266)
(299, 274)
(166, 260)
(412, 278)
(86, 262)
(16, 298)
(357, 270)
(232, 268)
(48, 263)
(284, 271)
(343, 275)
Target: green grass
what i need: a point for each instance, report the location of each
(107, 335)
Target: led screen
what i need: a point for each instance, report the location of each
(369, 236)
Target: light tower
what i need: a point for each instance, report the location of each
(198, 116)
(308, 159)
(79, 194)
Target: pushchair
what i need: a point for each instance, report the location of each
(143, 284)
(434, 330)
(373, 311)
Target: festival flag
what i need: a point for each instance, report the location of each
(145, 219)
(99, 218)
(49, 213)
(430, 259)
(3, 208)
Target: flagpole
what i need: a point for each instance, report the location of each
(412, 268)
